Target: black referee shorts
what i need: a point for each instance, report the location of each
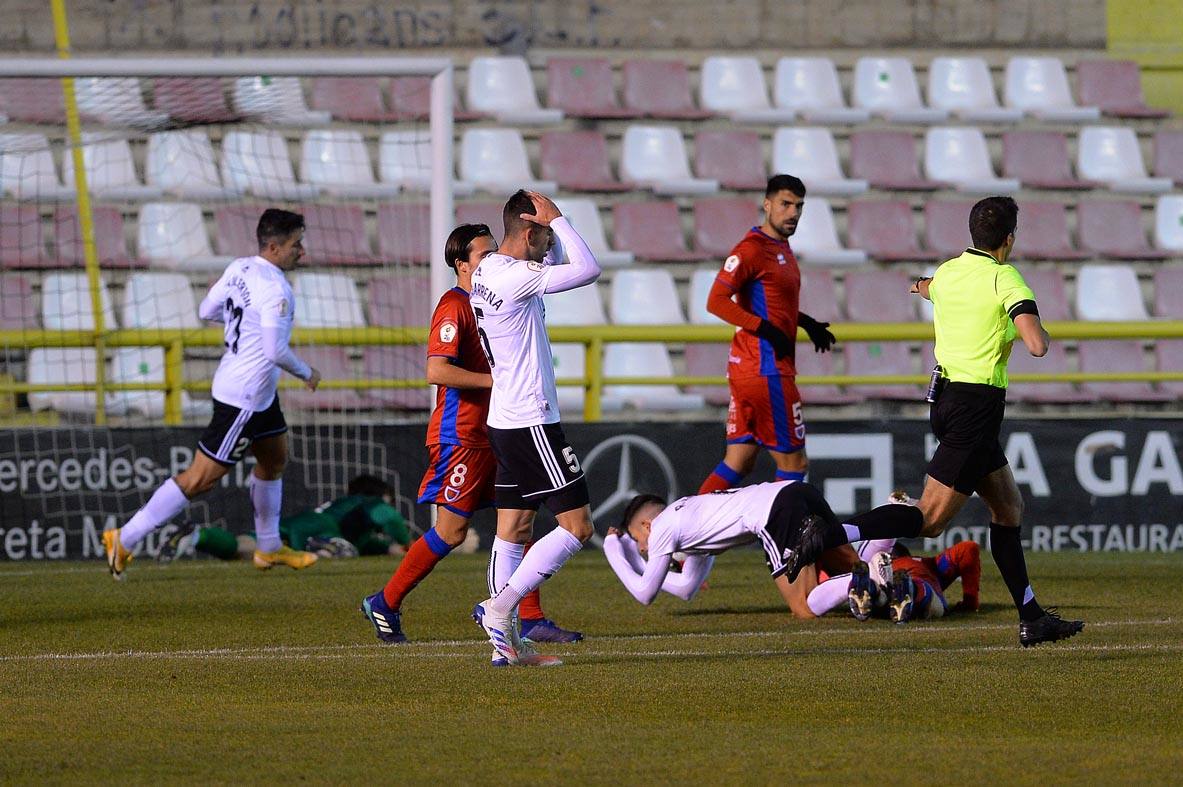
(967, 420)
(232, 430)
(535, 465)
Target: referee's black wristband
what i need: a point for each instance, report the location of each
(1023, 307)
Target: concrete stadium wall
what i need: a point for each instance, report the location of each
(205, 26)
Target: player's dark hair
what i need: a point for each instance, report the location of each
(991, 220)
(460, 241)
(784, 183)
(898, 549)
(277, 225)
(370, 486)
(515, 206)
(635, 505)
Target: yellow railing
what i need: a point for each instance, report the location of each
(593, 338)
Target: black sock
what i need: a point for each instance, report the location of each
(1007, 550)
(889, 521)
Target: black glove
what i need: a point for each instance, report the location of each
(782, 345)
(819, 333)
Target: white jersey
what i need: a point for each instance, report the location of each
(253, 295)
(507, 300)
(715, 522)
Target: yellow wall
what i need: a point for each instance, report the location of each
(1151, 32)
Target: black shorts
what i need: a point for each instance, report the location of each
(231, 430)
(535, 465)
(785, 519)
(967, 420)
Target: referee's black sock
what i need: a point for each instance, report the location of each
(888, 521)
(1007, 549)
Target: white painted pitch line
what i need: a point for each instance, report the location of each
(424, 649)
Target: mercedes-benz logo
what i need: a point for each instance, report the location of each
(641, 467)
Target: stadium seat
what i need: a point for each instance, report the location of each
(494, 159)
(874, 358)
(1111, 155)
(1168, 284)
(584, 216)
(336, 235)
(581, 87)
(578, 161)
(1113, 229)
(720, 223)
(1039, 87)
(735, 87)
(886, 86)
(110, 171)
(159, 300)
(734, 158)
(1039, 160)
(812, 363)
(397, 362)
(655, 157)
(504, 88)
(487, 213)
(333, 363)
(1168, 155)
(707, 360)
(1056, 361)
(959, 156)
(192, 99)
(652, 231)
(327, 300)
(278, 100)
(963, 87)
(18, 311)
(399, 301)
(1043, 233)
(27, 170)
(581, 306)
(885, 230)
(1116, 87)
(71, 365)
(819, 295)
(946, 227)
(816, 240)
(22, 238)
(404, 159)
(109, 238)
(172, 235)
(257, 163)
(1168, 224)
(116, 101)
(809, 86)
(337, 161)
(1050, 293)
(660, 89)
(66, 303)
(410, 98)
(701, 282)
(570, 361)
(404, 232)
(182, 164)
(879, 296)
(1118, 355)
(146, 365)
(644, 297)
(1109, 293)
(644, 359)
(234, 229)
(1168, 356)
(887, 160)
(810, 154)
(33, 100)
(357, 99)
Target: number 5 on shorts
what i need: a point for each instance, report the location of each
(571, 459)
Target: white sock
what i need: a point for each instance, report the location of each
(166, 502)
(868, 549)
(547, 556)
(267, 497)
(503, 561)
(830, 594)
(852, 533)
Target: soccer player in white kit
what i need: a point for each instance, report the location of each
(254, 302)
(535, 465)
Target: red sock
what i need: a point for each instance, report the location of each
(417, 563)
(530, 607)
(722, 477)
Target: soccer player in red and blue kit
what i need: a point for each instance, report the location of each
(758, 290)
(461, 466)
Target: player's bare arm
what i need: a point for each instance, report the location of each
(441, 371)
(1034, 335)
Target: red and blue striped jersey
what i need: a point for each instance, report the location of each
(460, 414)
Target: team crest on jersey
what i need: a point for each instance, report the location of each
(780, 258)
(451, 494)
(448, 332)
(283, 307)
(537, 267)
(731, 263)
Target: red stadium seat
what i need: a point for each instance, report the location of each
(652, 231)
(36, 100)
(399, 301)
(1117, 355)
(397, 362)
(582, 87)
(1116, 87)
(17, 308)
(819, 295)
(1168, 293)
(815, 363)
(488, 213)
(946, 227)
(109, 238)
(333, 363)
(867, 358)
(1039, 160)
(1043, 233)
(352, 98)
(660, 89)
(192, 99)
(404, 232)
(1050, 294)
(336, 235)
(720, 223)
(1168, 155)
(1056, 360)
(410, 99)
(1169, 358)
(22, 238)
(887, 160)
(734, 158)
(235, 229)
(578, 161)
(708, 359)
(1114, 229)
(879, 296)
(885, 230)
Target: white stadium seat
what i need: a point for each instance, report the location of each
(116, 101)
(258, 163)
(581, 306)
(71, 365)
(159, 300)
(959, 155)
(495, 160)
(1168, 223)
(172, 235)
(182, 163)
(700, 287)
(404, 159)
(585, 217)
(816, 239)
(110, 170)
(963, 87)
(569, 361)
(655, 157)
(886, 86)
(1109, 293)
(27, 169)
(1111, 155)
(327, 300)
(1039, 87)
(66, 303)
(809, 86)
(645, 297)
(146, 365)
(504, 88)
(644, 359)
(337, 161)
(276, 100)
(735, 87)
(810, 154)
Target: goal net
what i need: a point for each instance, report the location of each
(106, 367)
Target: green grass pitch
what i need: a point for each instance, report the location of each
(216, 673)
